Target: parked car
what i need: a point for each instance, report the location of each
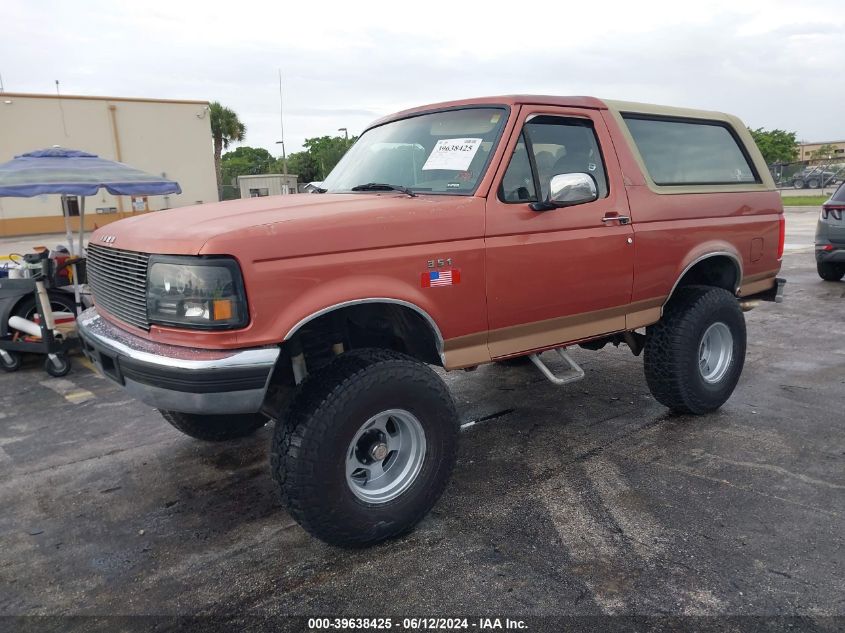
(830, 237)
(449, 235)
(813, 178)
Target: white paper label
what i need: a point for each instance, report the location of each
(453, 154)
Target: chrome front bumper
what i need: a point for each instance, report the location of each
(178, 378)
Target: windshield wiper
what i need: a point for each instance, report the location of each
(380, 186)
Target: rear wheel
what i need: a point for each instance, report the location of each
(694, 355)
(215, 428)
(367, 447)
(830, 271)
(813, 183)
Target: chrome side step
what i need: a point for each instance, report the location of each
(574, 373)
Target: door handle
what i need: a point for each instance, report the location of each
(615, 217)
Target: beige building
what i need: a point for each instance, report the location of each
(258, 185)
(805, 150)
(169, 138)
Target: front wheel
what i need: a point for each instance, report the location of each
(214, 428)
(694, 355)
(367, 447)
(830, 271)
(798, 183)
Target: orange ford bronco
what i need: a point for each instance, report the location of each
(454, 234)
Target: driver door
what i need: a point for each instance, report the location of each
(565, 274)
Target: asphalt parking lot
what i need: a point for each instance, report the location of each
(586, 499)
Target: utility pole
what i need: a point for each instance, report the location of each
(282, 125)
(345, 133)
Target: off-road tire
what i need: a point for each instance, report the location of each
(798, 183)
(830, 271)
(672, 348)
(309, 448)
(215, 428)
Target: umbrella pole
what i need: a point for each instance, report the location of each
(77, 294)
(81, 226)
(65, 214)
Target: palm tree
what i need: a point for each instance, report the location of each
(225, 128)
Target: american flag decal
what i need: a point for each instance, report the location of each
(437, 278)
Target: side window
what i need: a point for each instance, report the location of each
(689, 152)
(548, 146)
(518, 182)
(565, 146)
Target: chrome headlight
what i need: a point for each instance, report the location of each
(205, 293)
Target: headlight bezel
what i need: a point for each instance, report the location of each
(238, 296)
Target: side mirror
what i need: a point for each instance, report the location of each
(566, 190)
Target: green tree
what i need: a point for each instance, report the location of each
(327, 151)
(776, 146)
(303, 165)
(225, 129)
(243, 161)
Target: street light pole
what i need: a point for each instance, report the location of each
(345, 133)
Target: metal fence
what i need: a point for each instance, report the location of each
(808, 175)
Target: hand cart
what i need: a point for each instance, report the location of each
(19, 335)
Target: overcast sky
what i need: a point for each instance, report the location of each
(774, 63)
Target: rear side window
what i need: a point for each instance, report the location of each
(839, 196)
(687, 152)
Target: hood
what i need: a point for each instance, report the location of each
(298, 224)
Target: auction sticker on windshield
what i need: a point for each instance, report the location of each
(453, 154)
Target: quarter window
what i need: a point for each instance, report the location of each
(518, 183)
(685, 152)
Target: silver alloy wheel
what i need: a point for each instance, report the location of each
(715, 352)
(385, 456)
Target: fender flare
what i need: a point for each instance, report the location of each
(438, 336)
(729, 254)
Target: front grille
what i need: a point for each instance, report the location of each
(118, 281)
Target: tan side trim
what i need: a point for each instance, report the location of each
(466, 351)
(752, 284)
(647, 313)
(543, 334)
(475, 349)
(757, 286)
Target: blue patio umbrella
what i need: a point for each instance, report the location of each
(70, 172)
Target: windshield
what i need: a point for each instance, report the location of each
(442, 152)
